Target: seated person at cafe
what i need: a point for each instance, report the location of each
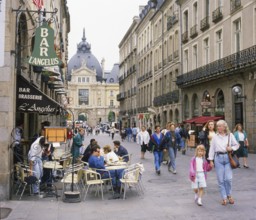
(96, 161)
(109, 155)
(88, 150)
(121, 151)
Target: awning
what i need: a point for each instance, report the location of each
(201, 120)
(30, 99)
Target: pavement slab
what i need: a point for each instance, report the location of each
(168, 196)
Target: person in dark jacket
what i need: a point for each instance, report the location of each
(88, 150)
(121, 151)
(156, 145)
(171, 138)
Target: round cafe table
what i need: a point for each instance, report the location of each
(117, 167)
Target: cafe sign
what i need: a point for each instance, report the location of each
(30, 99)
(44, 52)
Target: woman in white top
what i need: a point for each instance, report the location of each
(109, 155)
(221, 144)
(143, 139)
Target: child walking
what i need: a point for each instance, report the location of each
(197, 173)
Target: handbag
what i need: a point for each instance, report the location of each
(233, 159)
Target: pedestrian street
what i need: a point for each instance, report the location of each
(166, 196)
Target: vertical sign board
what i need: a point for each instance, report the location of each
(2, 31)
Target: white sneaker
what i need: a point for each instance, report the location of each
(174, 172)
(199, 202)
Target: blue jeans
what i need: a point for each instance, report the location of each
(224, 174)
(38, 173)
(158, 155)
(172, 155)
(115, 175)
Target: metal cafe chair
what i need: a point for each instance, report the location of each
(131, 177)
(25, 179)
(92, 178)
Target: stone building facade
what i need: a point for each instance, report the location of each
(156, 53)
(218, 46)
(92, 91)
(18, 22)
(194, 58)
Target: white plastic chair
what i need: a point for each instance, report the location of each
(93, 178)
(131, 177)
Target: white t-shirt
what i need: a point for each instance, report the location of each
(111, 157)
(199, 164)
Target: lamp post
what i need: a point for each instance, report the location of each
(72, 196)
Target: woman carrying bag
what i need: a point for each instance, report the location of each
(222, 143)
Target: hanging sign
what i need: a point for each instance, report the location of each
(31, 100)
(44, 52)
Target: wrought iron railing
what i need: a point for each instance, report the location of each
(193, 31)
(234, 5)
(227, 65)
(217, 15)
(168, 98)
(204, 24)
(185, 37)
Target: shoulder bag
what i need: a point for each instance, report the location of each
(233, 159)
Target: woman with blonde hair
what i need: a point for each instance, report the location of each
(109, 155)
(241, 137)
(222, 143)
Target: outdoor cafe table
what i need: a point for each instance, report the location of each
(116, 167)
(54, 165)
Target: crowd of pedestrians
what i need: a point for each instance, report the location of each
(215, 142)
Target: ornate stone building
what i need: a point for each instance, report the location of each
(195, 60)
(151, 45)
(28, 94)
(92, 91)
(218, 46)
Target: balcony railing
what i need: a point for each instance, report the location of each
(171, 20)
(168, 98)
(185, 37)
(204, 25)
(217, 15)
(193, 31)
(219, 68)
(170, 58)
(120, 96)
(176, 54)
(234, 5)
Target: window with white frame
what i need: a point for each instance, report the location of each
(206, 50)
(219, 44)
(237, 35)
(111, 93)
(195, 56)
(111, 103)
(83, 79)
(79, 79)
(88, 79)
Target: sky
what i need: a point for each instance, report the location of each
(105, 22)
